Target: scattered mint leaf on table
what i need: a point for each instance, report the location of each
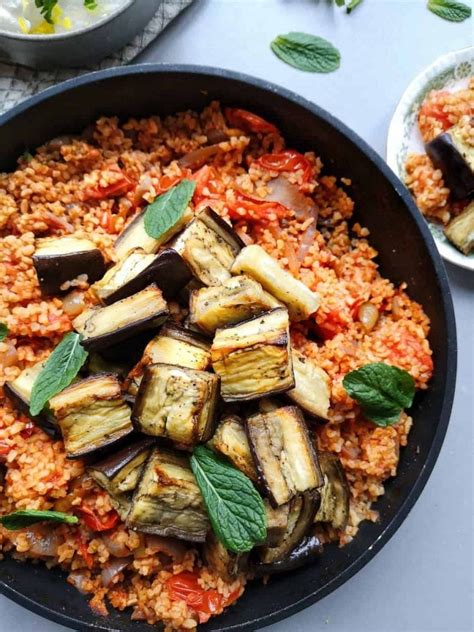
(235, 509)
(306, 52)
(168, 208)
(450, 10)
(27, 517)
(381, 390)
(60, 369)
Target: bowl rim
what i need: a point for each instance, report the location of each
(404, 509)
(34, 37)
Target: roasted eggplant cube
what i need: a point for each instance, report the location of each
(104, 327)
(62, 262)
(226, 564)
(278, 558)
(168, 501)
(312, 387)
(283, 453)
(335, 494)
(237, 299)
(176, 403)
(119, 474)
(256, 263)
(209, 246)
(173, 345)
(138, 270)
(277, 522)
(135, 236)
(253, 358)
(92, 414)
(231, 440)
(19, 392)
(454, 156)
(460, 230)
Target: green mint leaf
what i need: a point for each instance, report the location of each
(3, 331)
(352, 5)
(235, 509)
(306, 52)
(168, 208)
(450, 10)
(90, 4)
(60, 369)
(382, 391)
(27, 517)
(46, 9)
(340, 3)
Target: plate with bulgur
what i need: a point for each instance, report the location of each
(215, 405)
(430, 146)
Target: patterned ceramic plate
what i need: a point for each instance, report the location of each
(449, 72)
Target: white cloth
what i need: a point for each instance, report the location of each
(18, 83)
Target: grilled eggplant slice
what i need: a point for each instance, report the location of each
(168, 501)
(135, 236)
(277, 522)
(253, 358)
(312, 387)
(460, 230)
(119, 474)
(307, 551)
(237, 299)
(224, 563)
(298, 298)
(19, 392)
(209, 246)
(91, 414)
(301, 515)
(230, 439)
(104, 327)
(335, 493)
(139, 269)
(58, 261)
(173, 345)
(176, 403)
(284, 456)
(455, 158)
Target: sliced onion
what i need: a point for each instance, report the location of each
(73, 303)
(114, 547)
(43, 543)
(9, 357)
(78, 579)
(170, 546)
(215, 136)
(282, 191)
(199, 157)
(112, 568)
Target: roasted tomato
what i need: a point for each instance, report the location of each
(249, 122)
(185, 587)
(288, 160)
(99, 524)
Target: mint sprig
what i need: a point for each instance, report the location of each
(235, 509)
(450, 10)
(382, 391)
(27, 517)
(168, 208)
(306, 52)
(60, 369)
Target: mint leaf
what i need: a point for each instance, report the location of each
(168, 208)
(235, 509)
(450, 10)
(27, 517)
(306, 52)
(60, 369)
(46, 9)
(90, 4)
(3, 331)
(352, 5)
(382, 391)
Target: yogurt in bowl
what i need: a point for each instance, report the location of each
(47, 17)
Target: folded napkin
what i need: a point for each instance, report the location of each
(18, 83)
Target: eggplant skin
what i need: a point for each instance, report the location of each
(92, 414)
(176, 403)
(306, 552)
(18, 392)
(167, 270)
(285, 458)
(460, 230)
(335, 494)
(449, 155)
(168, 501)
(54, 271)
(104, 327)
(253, 358)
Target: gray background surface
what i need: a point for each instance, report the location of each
(422, 580)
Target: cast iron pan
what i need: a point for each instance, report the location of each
(406, 253)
